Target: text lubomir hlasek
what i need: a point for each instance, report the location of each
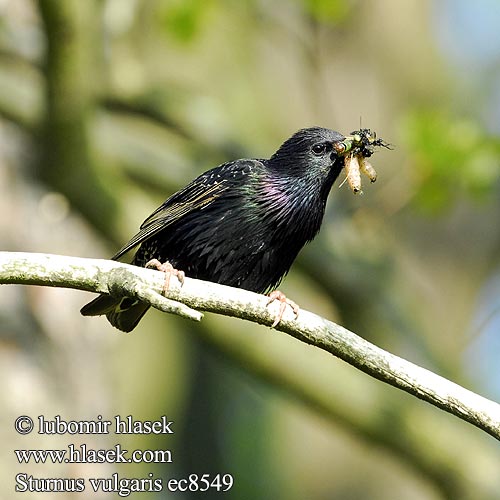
(127, 425)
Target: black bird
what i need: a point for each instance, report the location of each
(241, 224)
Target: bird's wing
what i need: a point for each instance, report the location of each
(196, 195)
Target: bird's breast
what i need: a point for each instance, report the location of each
(294, 212)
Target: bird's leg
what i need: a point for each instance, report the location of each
(281, 297)
(169, 271)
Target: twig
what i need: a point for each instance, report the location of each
(104, 276)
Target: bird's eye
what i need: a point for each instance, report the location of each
(319, 149)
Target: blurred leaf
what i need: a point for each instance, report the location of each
(182, 18)
(452, 156)
(329, 11)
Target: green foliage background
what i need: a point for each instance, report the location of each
(109, 106)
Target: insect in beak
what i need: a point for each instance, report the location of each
(355, 149)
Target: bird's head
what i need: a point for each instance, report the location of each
(317, 155)
(309, 153)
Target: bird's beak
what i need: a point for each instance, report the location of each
(343, 147)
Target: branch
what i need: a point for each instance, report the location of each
(105, 276)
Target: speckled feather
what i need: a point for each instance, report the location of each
(241, 224)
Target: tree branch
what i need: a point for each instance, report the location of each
(105, 276)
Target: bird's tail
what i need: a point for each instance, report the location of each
(123, 313)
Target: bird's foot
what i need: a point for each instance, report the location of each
(169, 271)
(281, 297)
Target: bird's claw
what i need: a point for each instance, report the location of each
(281, 297)
(169, 271)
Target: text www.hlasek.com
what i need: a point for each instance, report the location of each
(82, 454)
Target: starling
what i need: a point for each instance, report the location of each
(243, 223)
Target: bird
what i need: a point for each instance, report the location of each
(241, 224)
